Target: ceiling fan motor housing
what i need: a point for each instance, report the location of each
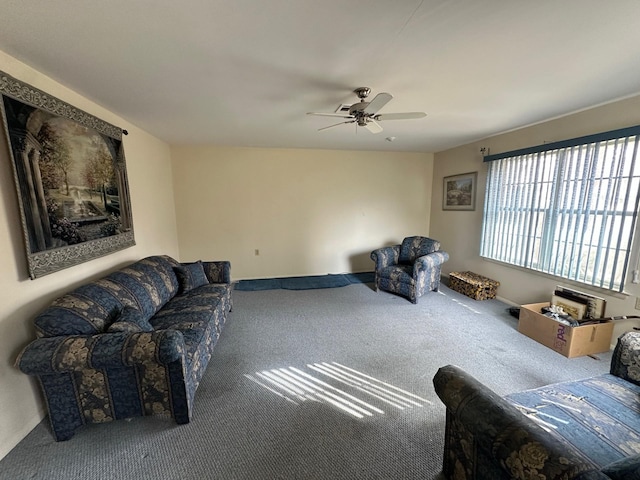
(357, 110)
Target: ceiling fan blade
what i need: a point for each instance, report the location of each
(377, 103)
(335, 125)
(400, 116)
(373, 126)
(340, 115)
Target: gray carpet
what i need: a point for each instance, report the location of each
(249, 424)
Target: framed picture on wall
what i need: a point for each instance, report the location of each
(70, 176)
(459, 192)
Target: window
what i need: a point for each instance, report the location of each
(568, 208)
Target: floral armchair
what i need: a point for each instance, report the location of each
(410, 269)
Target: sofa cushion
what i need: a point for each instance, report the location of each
(188, 304)
(130, 321)
(598, 416)
(199, 304)
(146, 285)
(626, 469)
(190, 276)
(217, 272)
(73, 314)
(150, 282)
(414, 247)
(398, 273)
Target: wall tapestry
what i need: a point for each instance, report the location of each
(71, 179)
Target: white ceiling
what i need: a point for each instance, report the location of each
(245, 72)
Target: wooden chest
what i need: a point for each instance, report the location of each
(473, 285)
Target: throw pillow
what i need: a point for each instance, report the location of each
(190, 276)
(130, 320)
(625, 469)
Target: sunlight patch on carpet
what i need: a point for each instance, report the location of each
(349, 390)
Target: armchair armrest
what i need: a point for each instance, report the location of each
(429, 261)
(512, 440)
(383, 257)
(52, 355)
(626, 357)
(218, 272)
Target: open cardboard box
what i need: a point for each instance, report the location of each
(566, 340)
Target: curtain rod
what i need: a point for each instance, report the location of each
(597, 137)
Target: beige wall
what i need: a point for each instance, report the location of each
(150, 177)
(308, 212)
(460, 231)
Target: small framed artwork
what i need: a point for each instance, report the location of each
(459, 192)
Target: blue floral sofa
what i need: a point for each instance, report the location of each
(133, 343)
(410, 269)
(587, 429)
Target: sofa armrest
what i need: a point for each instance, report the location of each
(514, 442)
(52, 355)
(625, 362)
(427, 262)
(383, 257)
(218, 272)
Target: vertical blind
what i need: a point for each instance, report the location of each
(568, 208)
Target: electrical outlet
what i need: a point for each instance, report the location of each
(637, 303)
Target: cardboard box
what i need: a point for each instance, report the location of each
(566, 340)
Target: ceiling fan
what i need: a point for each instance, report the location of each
(365, 114)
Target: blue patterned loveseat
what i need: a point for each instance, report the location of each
(410, 269)
(133, 343)
(587, 429)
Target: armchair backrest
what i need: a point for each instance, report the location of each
(414, 247)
